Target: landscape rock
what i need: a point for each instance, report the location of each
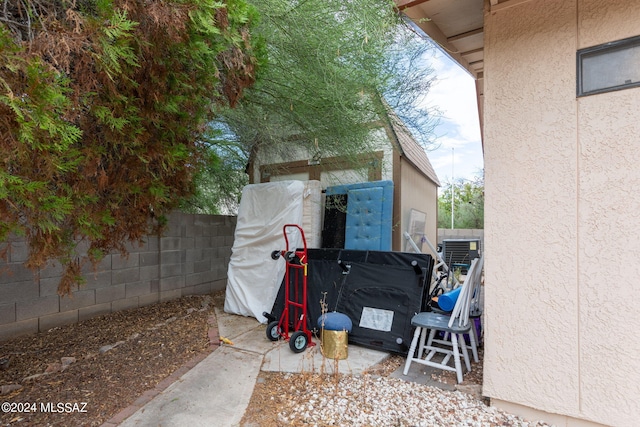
(5, 362)
(66, 361)
(109, 347)
(53, 367)
(474, 390)
(8, 388)
(363, 400)
(105, 348)
(34, 377)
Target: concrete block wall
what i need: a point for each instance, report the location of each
(191, 257)
(462, 233)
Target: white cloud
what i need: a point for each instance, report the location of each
(454, 95)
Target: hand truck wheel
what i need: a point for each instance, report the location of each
(298, 341)
(273, 331)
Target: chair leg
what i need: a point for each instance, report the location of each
(432, 335)
(412, 349)
(465, 353)
(473, 337)
(456, 357)
(423, 337)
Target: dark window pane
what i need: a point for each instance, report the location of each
(609, 67)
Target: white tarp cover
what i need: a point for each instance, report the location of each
(254, 278)
(312, 213)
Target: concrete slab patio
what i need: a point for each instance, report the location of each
(220, 386)
(215, 388)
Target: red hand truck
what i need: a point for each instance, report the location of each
(294, 314)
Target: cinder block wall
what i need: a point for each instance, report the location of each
(191, 257)
(461, 233)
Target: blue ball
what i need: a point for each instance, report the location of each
(335, 321)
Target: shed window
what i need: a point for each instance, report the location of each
(608, 67)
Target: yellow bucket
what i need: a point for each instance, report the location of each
(334, 344)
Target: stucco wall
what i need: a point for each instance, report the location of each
(609, 219)
(421, 194)
(191, 257)
(559, 207)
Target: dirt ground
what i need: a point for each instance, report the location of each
(99, 366)
(102, 365)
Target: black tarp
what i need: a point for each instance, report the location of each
(380, 293)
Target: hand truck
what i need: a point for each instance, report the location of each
(294, 314)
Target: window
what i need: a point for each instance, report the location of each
(608, 67)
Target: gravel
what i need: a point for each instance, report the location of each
(346, 400)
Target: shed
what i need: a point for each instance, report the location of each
(397, 157)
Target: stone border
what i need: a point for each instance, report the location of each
(147, 396)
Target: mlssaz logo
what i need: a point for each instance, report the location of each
(61, 407)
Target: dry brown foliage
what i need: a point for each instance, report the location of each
(102, 109)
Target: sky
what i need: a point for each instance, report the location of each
(454, 95)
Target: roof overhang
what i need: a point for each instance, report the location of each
(457, 26)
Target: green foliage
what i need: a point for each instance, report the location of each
(328, 63)
(116, 45)
(326, 58)
(220, 180)
(103, 113)
(468, 204)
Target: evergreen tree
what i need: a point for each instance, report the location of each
(103, 104)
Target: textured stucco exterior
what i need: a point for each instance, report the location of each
(416, 195)
(561, 217)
